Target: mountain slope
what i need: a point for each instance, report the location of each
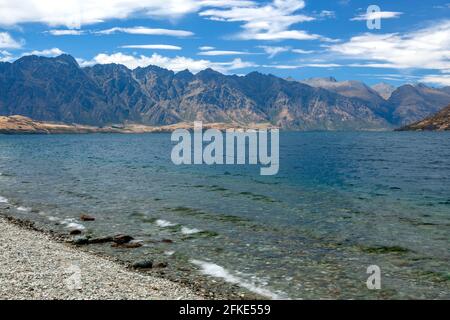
(384, 90)
(438, 122)
(415, 102)
(52, 89)
(57, 89)
(355, 90)
(351, 89)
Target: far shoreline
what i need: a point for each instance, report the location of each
(23, 125)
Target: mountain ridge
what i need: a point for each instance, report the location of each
(58, 89)
(437, 122)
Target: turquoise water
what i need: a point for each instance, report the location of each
(341, 202)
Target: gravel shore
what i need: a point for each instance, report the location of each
(35, 266)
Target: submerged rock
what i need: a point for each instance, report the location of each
(75, 232)
(101, 240)
(80, 241)
(129, 245)
(161, 265)
(85, 217)
(146, 264)
(121, 239)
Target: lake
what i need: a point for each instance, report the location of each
(341, 202)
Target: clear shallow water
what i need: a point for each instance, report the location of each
(341, 202)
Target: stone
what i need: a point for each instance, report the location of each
(80, 241)
(85, 217)
(146, 264)
(75, 232)
(161, 265)
(122, 238)
(101, 240)
(129, 245)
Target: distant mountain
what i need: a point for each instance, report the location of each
(351, 89)
(384, 90)
(404, 105)
(57, 89)
(412, 103)
(356, 90)
(437, 122)
(446, 89)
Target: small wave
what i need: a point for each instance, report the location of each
(23, 209)
(3, 200)
(186, 230)
(53, 219)
(164, 223)
(75, 226)
(214, 270)
(71, 224)
(169, 253)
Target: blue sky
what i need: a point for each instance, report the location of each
(301, 39)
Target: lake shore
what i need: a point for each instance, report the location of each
(35, 265)
(22, 125)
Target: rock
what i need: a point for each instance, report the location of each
(101, 240)
(166, 241)
(75, 232)
(121, 239)
(147, 264)
(85, 217)
(127, 245)
(80, 241)
(161, 265)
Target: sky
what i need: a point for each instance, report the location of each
(288, 38)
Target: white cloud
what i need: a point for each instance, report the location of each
(147, 31)
(54, 52)
(443, 6)
(442, 80)
(377, 15)
(6, 56)
(66, 32)
(262, 21)
(281, 66)
(206, 48)
(153, 47)
(273, 51)
(7, 42)
(281, 35)
(176, 64)
(322, 65)
(309, 65)
(222, 53)
(301, 51)
(75, 13)
(327, 14)
(427, 48)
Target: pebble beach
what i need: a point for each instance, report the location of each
(33, 265)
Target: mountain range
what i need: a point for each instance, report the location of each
(58, 89)
(437, 122)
